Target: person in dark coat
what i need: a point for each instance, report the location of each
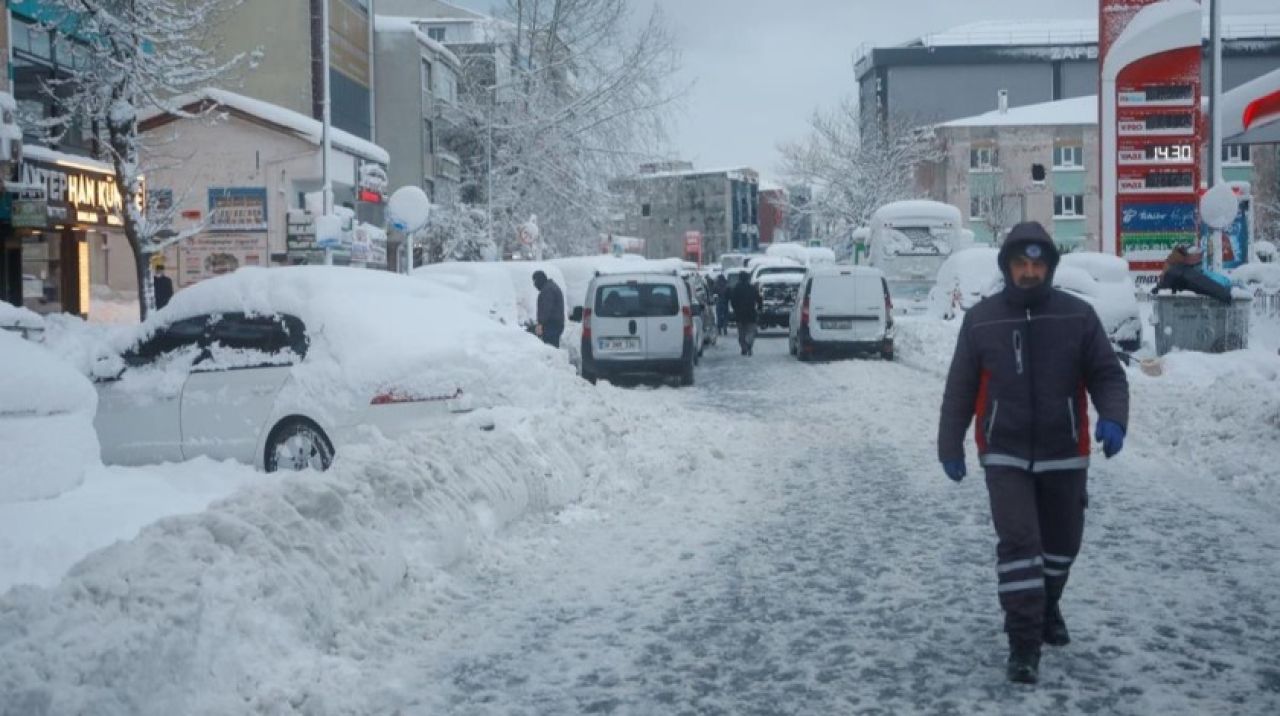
(1183, 272)
(721, 290)
(747, 302)
(550, 309)
(1026, 361)
(162, 286)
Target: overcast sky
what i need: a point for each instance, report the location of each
(760, 67)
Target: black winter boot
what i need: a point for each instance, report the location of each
(1024, 663)
(1055, 627)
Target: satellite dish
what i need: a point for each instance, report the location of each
(408, 209)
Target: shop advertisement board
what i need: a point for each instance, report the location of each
(237, 209)
(208, 255)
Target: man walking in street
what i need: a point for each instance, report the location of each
(721, 291)
(550, 309)
(162, 286)
(1024, 361)
(746, 310)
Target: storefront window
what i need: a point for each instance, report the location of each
(42, 272)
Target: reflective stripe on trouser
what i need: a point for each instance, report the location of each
(1039, 521)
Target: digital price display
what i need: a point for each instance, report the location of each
(1157, 181)
(1174, 95)
(1162, 124)
(1156, 152)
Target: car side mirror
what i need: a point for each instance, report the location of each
(107, 368)
(576, 316)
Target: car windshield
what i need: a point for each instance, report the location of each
(637, 300)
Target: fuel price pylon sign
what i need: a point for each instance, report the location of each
(1151, 128)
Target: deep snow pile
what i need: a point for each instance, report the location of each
(230, 610)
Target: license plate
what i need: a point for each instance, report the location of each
(619, 344)
(836, 325)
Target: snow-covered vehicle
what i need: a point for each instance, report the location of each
(46, 422)
(970, 275)
(778, 280)
(1105, 282)
(281, 368)
(909, 241)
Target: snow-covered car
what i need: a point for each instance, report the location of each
(46, 422)
(280, 368)
(968, 276)
(778, 292)
(23, 321)
(1104, 281)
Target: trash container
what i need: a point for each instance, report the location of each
(1191, 322)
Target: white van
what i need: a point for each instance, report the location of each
(638, 324)
(843, 309)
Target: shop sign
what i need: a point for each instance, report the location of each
(208, 255)
(29, 209)
(76, 194)
(237, 209)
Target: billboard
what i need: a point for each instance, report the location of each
(1151, 127)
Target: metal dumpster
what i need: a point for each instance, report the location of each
(1192, 322)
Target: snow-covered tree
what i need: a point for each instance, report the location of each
(584, 102)
(457, 233)
(141, 54)
(854, 172)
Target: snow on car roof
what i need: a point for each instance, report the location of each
(788, 277)
(368, 328)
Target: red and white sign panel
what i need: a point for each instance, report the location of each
(1154, 123)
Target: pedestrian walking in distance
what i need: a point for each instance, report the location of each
(746, 302)
(550, 309)
(721, 291)
(1026, 361)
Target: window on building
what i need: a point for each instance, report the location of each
(1068, 156)
(983, 158)
(1037, 173)
(644, 210)
(1235, 153)
(1068, 205)
(436, 33)
(979, 207)
(428, 137)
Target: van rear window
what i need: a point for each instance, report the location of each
(637, 300)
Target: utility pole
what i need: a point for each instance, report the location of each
(326, 191)
(1215, 114)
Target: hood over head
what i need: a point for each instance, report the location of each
(1031, 240)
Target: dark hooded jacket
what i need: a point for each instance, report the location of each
(550, 303)
(1025, 364)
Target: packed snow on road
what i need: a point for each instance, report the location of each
(777, 539)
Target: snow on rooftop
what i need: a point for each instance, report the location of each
(733, 172)
(304, 126)
(1059, 31)
(388, 23)
(53, 156)
(1077, 110)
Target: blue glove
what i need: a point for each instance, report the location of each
(1111, 435)
(955, 469)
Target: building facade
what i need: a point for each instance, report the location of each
(957, 73)
(289, 70)
(663, 203)
(251, 183)
(1040, 163)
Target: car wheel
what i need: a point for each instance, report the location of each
(886, 352)
(791, 346)
(298, 444)
(686, 374)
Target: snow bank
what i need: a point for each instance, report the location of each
(47, 438)
(1217, 414)
(239, 608)
(40, 540)
(1257, 275)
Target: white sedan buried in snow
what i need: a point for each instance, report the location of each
(279, 368)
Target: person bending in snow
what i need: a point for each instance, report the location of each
(1024, 361)
(550, 309)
